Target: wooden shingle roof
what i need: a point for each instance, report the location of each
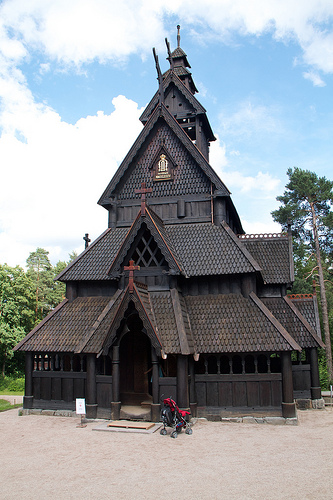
(273, 256)
(233, 323)
(206, 249)
(65, 328)
(174, 324)
(161, 120)
(293, 321)
(308, 306)
(93, 264)
(200, 249)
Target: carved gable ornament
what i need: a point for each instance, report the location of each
(163, 167)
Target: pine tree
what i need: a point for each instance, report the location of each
(307, 205)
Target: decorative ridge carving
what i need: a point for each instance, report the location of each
(265, 236)
(300, 296)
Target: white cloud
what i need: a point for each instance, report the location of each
(262, 227)
(262, 185)
(314, 78)
(249, 119)
(80, 31)
(54, 179)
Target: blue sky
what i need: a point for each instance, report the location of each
(75, 77)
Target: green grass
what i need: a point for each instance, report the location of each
(5, 405)
(7, 392)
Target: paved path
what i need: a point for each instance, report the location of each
(49, 457)
(14, 400)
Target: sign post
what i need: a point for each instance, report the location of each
(81, 410)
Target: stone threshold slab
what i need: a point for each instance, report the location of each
(128, 426)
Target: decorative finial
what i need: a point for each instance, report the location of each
(159, 77)
(169, 55)
(178, 35)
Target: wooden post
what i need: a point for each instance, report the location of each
(91, 398)
(288, 403)
(28, 392)
(155, 407)
(115, 404)
(193, 395)
(314, 372)
(182, 381)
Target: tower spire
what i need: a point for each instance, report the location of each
(178, 35)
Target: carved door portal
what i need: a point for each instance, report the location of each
(135, 367)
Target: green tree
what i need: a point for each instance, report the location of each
(306, 204)
(16, 298)
(58, 289)
(41, 273)
(9, 337)
(16, 310)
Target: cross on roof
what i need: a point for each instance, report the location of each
(87, 240)
(143, 190)
(131, 268)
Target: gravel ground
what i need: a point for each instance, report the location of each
(50, 458)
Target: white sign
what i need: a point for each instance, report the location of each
(80, 406)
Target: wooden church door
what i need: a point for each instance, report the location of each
(135, 368)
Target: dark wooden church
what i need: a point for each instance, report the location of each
(173, 298)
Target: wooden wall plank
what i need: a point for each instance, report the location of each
(212, 394)
(225, 393)
(239, 397)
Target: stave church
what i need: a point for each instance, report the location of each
(173, 299)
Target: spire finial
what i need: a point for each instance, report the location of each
(159, 77)
(169, 55)
(178, 35)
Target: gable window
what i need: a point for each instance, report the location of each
(147, 253)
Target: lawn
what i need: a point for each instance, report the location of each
(5, 405)
(7, 392)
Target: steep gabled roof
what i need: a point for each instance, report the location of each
(206, 249)
(157, 229)
(94, 262)
(170, 82)
(67, 326)
(201, 249)
(170, 79)
(161, 113)
(140, 297)
(272, 252)
(232, 323)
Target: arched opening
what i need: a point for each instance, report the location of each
(135, 363)
(249, 364)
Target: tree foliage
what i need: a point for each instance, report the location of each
(307, 206)
(25, 299)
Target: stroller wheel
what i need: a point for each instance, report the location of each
(188, 431)
(163, 432)
(179, 429)
(174, 434)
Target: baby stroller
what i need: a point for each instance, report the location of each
(172, 416)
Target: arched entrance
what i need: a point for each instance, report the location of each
(135, 364)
